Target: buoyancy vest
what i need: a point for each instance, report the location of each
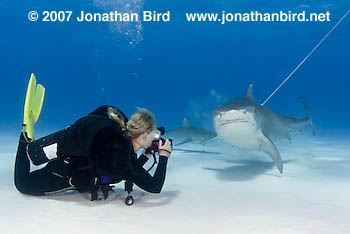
(79, 144)
(78, 138)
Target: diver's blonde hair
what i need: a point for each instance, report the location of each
(141, 122)
(113, 114)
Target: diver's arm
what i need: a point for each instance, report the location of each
(142, 159)
(115, 162)
(144, 180)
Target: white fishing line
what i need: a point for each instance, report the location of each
(312, 51)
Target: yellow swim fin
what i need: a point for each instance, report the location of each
(32, 106)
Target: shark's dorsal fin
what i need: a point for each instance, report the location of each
(185, 123)
(250, 92)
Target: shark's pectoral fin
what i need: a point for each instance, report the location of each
(187, 140)
(268, 147)
(208, 140)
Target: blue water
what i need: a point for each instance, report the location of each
(175, 69)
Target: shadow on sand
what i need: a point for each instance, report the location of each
(116, 197)
(244, 170)
(144, 199)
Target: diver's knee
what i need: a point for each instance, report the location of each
(20, 185)
(24, 187)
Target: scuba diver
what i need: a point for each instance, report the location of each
(96, 151)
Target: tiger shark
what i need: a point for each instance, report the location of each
(190, 134)
(246, 124)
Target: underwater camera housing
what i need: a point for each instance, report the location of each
(155, 143)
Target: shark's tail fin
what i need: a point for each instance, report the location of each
(308, 114)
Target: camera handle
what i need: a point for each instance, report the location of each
(129, 200)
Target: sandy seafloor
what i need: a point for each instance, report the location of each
(219, 190)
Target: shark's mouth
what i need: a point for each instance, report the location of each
(233, 121)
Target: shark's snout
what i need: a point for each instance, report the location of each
(234, 123)
(232, 116)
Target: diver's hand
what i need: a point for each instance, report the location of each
(166, 149)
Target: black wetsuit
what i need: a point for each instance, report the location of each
(92, 151)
